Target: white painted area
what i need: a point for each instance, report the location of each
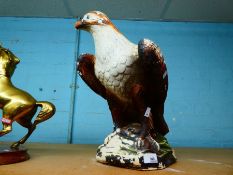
(150, 158)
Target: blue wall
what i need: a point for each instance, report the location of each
(199, 57)
(46, 48)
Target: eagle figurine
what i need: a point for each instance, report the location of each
(131, 77)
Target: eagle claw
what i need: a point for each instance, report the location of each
(147, 143)
(140, 143)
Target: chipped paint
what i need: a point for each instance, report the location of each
(120, 149)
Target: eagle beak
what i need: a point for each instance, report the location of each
(78, 24)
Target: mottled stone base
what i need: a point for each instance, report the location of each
(9, 156)
(123, 148)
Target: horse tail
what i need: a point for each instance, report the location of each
(46, 112)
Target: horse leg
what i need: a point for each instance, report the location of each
(25, 122)
(6, 129)
(31, 127)
(6, 123)
(23, 140)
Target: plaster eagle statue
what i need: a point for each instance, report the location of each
(131, 77)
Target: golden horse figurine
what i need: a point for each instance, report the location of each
(16, 104)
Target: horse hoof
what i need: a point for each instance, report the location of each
(15, 145)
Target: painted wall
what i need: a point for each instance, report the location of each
(46, 48)
(200, 63)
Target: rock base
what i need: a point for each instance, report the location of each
(123, 148)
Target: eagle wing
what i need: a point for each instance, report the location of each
(155, 81)
(85, 67)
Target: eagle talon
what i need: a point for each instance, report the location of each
(140, 143)
(154, 145)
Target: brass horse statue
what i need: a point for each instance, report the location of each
(16, 104)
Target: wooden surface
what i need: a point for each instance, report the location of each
(62, 159)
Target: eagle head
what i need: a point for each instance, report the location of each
(93, 19)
